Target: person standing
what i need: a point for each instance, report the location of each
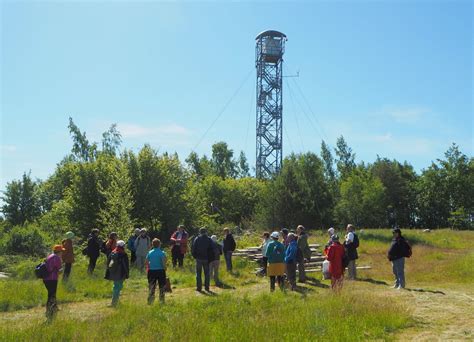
(265, 241)
(53, 265)
(399, 250)
(331, 232)
(229, 248)
(202, 252)
(142, 246)
(351, 244)
(179, 241)
(290, 260)
(335, 256)
(276, 261)
(131, 245)
(118, 268)
(284, 234)
(305, 252)
(215, 262)
(111, 243)
(93, 249)
(68, 255)
(156, 265)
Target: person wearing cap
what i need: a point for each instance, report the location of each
(399, 249)
(68, 255)
(118, 268)
(351, 243)
(265, 241)
(131, 245)
(305, 253)
(334, 256)
(156, 265)
(228, 249)
(53, 265)
(290, 260)
(276, 261)
(202, 252)
(179, 242)
(111, 243)
(142, 246)
(215, 262)
(331, 232)
(93, 249)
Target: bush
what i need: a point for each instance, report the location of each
(28, 240)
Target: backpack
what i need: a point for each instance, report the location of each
(345, 260)
(356, 241)
(408, 251)
(41, 270)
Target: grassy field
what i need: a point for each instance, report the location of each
(438, 304)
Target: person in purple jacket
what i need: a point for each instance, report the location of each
(53, 265)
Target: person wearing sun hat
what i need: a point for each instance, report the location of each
(68, 254)
(118, 268)
(276, 261)
(53, 265)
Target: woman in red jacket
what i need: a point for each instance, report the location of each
(334, 256)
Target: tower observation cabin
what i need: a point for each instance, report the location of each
(270, 47)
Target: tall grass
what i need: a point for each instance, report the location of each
(228, 317)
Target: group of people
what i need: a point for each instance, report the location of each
(281, 260)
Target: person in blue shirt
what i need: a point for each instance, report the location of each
(290, 260)
(156, 265)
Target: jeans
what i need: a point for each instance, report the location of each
(67, 270)
(156, 276)
(200, 265)
(351, 268)
(291, 274)
(177, 256)
(398, 267)
(92, 263)
(214, 271)
(228, 260)
(133, 257)
(118, 286)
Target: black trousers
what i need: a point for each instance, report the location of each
(51, 306)
(133, 257)
(67, 270)
(279, 279)
(156, 276)
(177, 256)
(92, 263)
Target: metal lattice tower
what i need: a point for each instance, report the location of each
(269, 51)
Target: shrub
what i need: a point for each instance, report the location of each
(28, 240)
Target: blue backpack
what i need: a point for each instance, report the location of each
(41, 270)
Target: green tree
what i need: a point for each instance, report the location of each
(82, 150)
(345, 158)
(115, 214)
(21, 201)
(111, 140)
(362, 200)
(243, 165)
(222, 161)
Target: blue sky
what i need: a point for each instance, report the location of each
(394, 77)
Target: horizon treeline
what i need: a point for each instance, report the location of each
(96, 186)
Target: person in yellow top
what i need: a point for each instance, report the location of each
(67, 254)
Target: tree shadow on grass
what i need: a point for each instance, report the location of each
(414, 240)
(315, 282)
(373, 281)
(426, 291)
(225, 286)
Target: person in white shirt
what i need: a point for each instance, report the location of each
(351, 244)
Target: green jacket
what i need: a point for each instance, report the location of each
(304, 246)
(275, 252)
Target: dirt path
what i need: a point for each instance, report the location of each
(440, 317)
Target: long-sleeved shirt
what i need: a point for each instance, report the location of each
(290, 253)
(53, 265)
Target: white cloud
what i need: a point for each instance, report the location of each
(8, 148)
(382, 138)
(405, 115)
